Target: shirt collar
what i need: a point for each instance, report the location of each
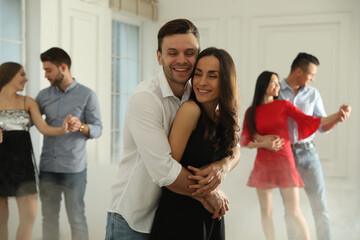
(166, 90)
(284, 85)
(69, 88)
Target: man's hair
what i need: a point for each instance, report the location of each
(303, 60)
(177, 26)
(56, 56)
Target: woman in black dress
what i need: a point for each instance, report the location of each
(205, 130)
(17, 171)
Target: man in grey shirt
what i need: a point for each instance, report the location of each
(63, 158)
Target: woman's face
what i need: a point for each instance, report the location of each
(206, 80)
(273, 87)
(19, 80)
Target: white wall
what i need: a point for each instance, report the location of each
(259, 34)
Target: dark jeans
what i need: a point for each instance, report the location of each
(72, 185)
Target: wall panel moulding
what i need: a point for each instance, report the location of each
(143, 8)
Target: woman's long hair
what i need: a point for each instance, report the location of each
(7, 71)
(228, 105)
(262, 84)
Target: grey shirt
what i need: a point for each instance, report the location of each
(67, 153)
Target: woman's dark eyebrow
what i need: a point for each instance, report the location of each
(212, 71)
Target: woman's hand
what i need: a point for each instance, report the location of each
(65, 124)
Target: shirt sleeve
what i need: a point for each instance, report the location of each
(92, 116)
(319, 110)
(307, 125)
(146, 125)
(245, 136)
(39, 102)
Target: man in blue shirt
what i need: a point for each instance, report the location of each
(295, 88)
(63, 158)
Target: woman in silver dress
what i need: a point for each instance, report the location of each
(17, 171)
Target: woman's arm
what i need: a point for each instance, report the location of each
(183, 125)
(40, 123)
(267, 143)
(211, 176)
(270, 142)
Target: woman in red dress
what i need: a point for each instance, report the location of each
(276, 169)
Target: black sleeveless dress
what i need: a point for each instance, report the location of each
(180, 217)
(17, 172)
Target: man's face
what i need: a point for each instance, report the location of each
(178, 56)
(307, 76)
(53, 73)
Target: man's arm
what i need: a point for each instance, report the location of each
(215, 201)
(184, 124)
(342, 115)
(91, 125)
(210, 177)
(269, 142)
(145, 122)
(144, 119)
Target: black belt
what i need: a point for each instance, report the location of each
(303, 145)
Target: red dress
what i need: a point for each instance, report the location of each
(277, 169)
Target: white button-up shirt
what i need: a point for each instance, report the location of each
(146, 164)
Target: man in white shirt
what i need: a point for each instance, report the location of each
(146, 163)
(297, 90)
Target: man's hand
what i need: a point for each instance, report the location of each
(269, 142)
(74, 124)
(329, 122)
(344, 112)
(208, 178)
(1, 135)
(215, 202)
(272, 143)
(219, 202)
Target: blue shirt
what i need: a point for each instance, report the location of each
(67, 153)
(308, 100)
